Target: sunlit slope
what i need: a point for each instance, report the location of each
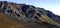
(45, 18)
(7, 22)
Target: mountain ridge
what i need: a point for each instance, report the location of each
(29, 13)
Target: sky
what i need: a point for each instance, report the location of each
(52, 5)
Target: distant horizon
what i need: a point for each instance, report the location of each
(51, 5)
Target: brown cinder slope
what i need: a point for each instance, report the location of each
(8, 22)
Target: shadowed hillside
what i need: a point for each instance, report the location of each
(13, 15)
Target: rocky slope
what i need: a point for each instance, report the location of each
(15, 15)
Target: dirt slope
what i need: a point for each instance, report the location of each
(7, 22)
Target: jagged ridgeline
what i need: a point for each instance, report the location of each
(28, 13)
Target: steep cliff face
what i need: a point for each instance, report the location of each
(28, 13)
